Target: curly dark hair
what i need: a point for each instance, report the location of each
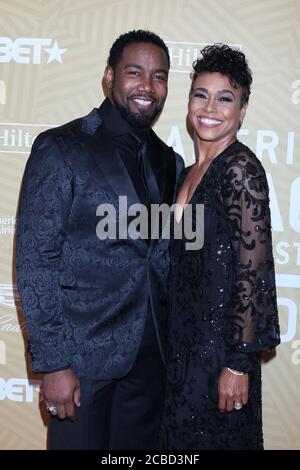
(227, 61)
(132, 37)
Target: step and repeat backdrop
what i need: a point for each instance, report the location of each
(52, 57)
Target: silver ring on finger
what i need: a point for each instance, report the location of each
(52, 410)
(237, 406)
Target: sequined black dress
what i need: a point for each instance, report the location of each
(223, 308)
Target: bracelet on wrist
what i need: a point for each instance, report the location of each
(235, 372)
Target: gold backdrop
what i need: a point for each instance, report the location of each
(52, 57)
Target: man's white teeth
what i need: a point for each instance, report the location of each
(142, 102)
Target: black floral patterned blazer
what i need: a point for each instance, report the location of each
(85, 300)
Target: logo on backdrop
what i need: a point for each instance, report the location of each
(2, 353)
(9, 295)
(7, 226)
(10, 304)
(296, 353)
(18, 389)
(17, 138)
(30, 50)
(2, 92)
(183, 54)
(296, 93)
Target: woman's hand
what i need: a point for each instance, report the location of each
(232, 389)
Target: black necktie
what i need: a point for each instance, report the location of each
(144, 169)
(148, 178)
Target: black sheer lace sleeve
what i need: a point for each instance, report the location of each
(253, 319)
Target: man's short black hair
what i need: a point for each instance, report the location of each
(132, 37)
(227, 61)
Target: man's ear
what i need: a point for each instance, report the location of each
(109, 77)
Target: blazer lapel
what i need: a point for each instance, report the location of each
(100, 147)
(110, 164)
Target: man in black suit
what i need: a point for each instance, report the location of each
(96, 306)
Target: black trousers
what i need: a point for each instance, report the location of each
(122, 414)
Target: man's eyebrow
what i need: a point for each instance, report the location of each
(137, 66)
(133, 65)
(161, 71)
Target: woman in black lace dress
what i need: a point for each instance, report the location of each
(223, 296)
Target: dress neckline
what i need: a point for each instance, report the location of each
(212, 163)
(217, 158)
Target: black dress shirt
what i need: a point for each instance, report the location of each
(126, 138)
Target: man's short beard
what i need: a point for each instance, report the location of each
(137, 120)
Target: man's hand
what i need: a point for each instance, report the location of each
(62, 389)
(232, 389)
